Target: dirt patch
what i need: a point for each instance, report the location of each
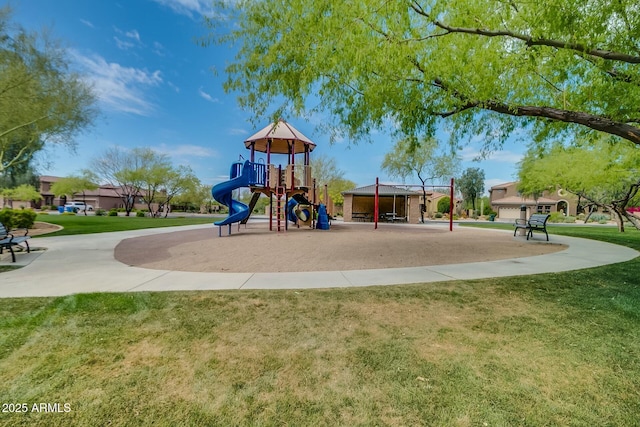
(43, 228)
(344, 247)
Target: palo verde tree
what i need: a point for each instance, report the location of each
(75, 184)
(326, 172)
(471, 185)
(117, 167)
(485, 67)
(41, 100)
(411, 157)
(605, 175)
(23, 192)
(144, 174)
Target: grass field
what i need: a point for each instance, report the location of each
(80, 224)
(553, 349)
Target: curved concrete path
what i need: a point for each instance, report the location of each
(85, 263)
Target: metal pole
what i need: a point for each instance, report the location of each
(451, 208)
(315, 209)
(376, 208)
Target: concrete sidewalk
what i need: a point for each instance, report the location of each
(85, 263)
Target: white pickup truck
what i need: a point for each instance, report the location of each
(77, 207)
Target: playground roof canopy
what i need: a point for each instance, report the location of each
(280, 136)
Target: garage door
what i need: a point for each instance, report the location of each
(509, 213)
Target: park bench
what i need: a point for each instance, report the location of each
(537, 222)
(8, 240)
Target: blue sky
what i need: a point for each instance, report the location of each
(157, 89)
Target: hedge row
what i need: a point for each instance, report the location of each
(17, 218)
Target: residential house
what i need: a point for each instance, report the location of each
(507, 202)
(104, 197)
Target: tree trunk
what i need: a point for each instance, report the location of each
(619, 218)
(423, 206)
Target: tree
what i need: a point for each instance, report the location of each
(471, 185)
(444, 204)
(74, 184)
(337, 187)
(118, 168)
(41, 101)
(199, 198)
(326, 172)
(24, 192)
(422, 158)
(485, 67)
(605, 175)
(179, 180)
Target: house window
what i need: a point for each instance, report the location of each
(543, 209)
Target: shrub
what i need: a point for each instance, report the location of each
(113, 212)
(24, 218)
(599, 218)
(444, 204)
(438, 215)
(556, 217)
(6, 217)
(101, 212)
(140, 214)
(17, 218)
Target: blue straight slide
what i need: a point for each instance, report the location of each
(223, 193)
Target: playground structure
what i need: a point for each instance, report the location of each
(289, 185)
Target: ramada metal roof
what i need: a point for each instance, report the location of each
(383, 190)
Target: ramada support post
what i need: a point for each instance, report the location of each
(376, 208)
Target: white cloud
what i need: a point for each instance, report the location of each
(186, 150)
(87, 23)
(469, 154)
(159, 49)
(118, 87)
(174, 87)
(123, 44)
(133, 34)
(505, 156)
(131, 39)
(188, 7)
(208, 97)
(238, 131)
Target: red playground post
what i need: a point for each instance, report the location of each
(451, 208)
(376, 207)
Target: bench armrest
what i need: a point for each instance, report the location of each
(520, 221)
(24, 231)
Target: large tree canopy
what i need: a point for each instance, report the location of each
(40, 99)
(488, 67)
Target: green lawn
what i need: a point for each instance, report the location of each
(80, 224)
(553, 349)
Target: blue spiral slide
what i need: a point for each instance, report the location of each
(223, 193)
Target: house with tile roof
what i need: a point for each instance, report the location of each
(506, 200)
(104, 197)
